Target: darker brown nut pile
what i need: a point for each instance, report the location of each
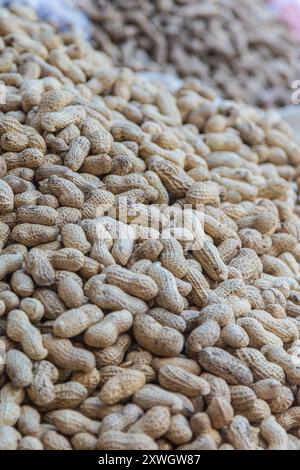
(149, 258)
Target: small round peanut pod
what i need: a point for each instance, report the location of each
(241, 435)
(222, 313)
(67, 395)
(242, 397)
(282, 401)
(290, 418)
(73, 236)
(257, 412)
(266, 389)
(53, 306)
(113, 355)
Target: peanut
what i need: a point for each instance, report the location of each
(29, 421)
(105, 333)
(122, 386)
(117, 440)
(41, 390)
(30, 443)
(152, 395)
(19, 368)
(135, 284)
(120, 420)
(9, 438)
(20, 329)
(225, 365)
(168, 295)
(66, 356)
(179, 431)
(177, 379)
(70, 422)
(156, 338)
(154, 422)
(111, 297)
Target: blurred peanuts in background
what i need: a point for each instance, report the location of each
(63, 13)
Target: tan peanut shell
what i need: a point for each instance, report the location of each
(225, 365)
(154, 422)
(65, 355)
(117, 440)
(154, 337)
(105, 333)
(177, 380)
(20, 329)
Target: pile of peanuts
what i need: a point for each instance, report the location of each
(117, 333)
(237, 47)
